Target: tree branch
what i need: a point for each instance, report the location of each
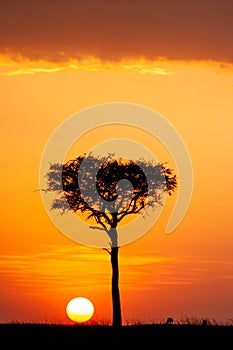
(98, 228)
(98, 220)
(125, 210)
(133, 211)
(107, 251)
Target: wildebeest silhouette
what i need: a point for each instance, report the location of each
(169, 320)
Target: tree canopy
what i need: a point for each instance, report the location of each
(109, 188)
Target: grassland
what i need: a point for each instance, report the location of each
(138, 336)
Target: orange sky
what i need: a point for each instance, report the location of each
(187, 273)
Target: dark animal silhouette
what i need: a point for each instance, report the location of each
(170, 320)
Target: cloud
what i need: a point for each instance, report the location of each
(115, 30)
(20, 65)
(70, 267)
(75, 267)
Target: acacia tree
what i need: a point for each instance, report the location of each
(93, 186)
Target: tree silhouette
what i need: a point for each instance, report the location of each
(107, 189)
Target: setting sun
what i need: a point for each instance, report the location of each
(80, 309)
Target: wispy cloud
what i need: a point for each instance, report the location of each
(20, 65)
(71, 267)
(56, 268)
(13, 65)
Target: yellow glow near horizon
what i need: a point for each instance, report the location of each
(17, 65)
(80, 309)
(11, 66)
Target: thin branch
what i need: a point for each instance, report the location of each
(97, 228)
(98, 220)
(38, 190)
(125, 210)
(107, 251)
(133, 211)
(106, 218)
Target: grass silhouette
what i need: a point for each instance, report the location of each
(189, 332)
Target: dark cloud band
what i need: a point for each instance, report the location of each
(118, 29)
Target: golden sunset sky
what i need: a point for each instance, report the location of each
(60, 57)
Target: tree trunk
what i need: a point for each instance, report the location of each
(116, 303)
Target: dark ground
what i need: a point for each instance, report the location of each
(152, 336)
